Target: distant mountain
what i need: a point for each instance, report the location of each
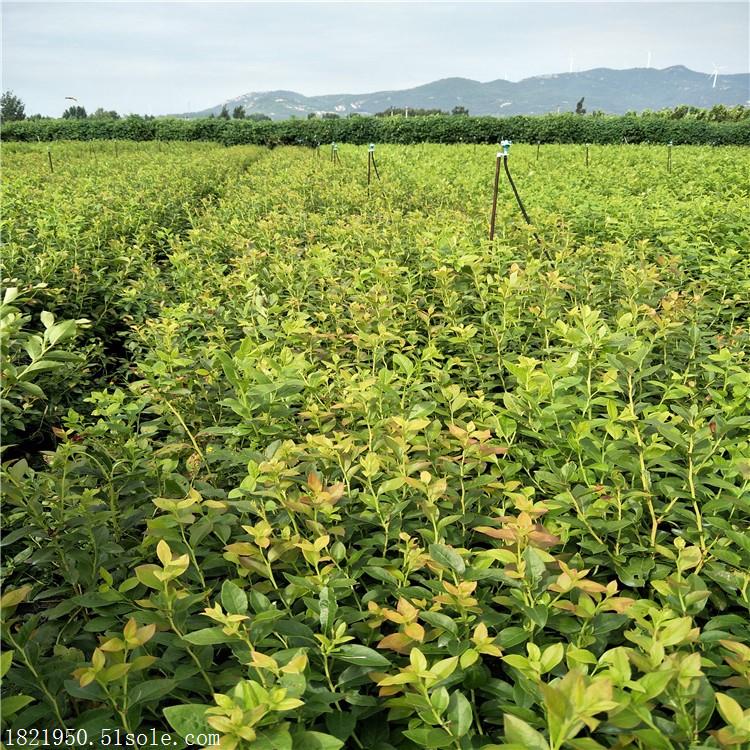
(612, 91)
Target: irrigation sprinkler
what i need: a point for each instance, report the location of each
(335, 153)
(502, 156)
(371, 163)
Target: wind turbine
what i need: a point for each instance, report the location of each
(715, 74)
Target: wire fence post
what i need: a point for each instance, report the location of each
(587, 154)
(538, 144)
(49, 158)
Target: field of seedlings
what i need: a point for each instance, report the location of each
(292, 462)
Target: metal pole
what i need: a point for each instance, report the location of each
(518, 200)
(515, 192)
(371, 160)
(500, 156)
(587, 154)
(49, 157)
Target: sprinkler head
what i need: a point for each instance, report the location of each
(505, 144)
(371, 148)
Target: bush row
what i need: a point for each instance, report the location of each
(553, 128)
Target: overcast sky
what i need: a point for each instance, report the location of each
(159, 57)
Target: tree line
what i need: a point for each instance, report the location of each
(551, 128)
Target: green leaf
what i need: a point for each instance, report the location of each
(207, 637)
(440, 621)
(459, 714)
(730, 710)
(145, 574)
(517, 730)
(448, 558)
(552, 656)
(327, 609)
(403, 362)
(381, 574)
(316, 741)
(429, 737)
(341, 724)
(150, 690)
(61, 331)
(391, 484)
(6, 659)
(189, 718)
(585, 743)
(653, 684)
(276, 738)
(512, 636)
(362, 656)
(233, 598)
(535, 568)
(41, 365)
(14, 703)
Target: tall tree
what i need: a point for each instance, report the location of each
(75, 112)
(239, 112)
(224, 114)
(579, 107)
(459, 111)
(11, 107)
(105, 114)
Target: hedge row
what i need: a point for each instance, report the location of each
(553, 128)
